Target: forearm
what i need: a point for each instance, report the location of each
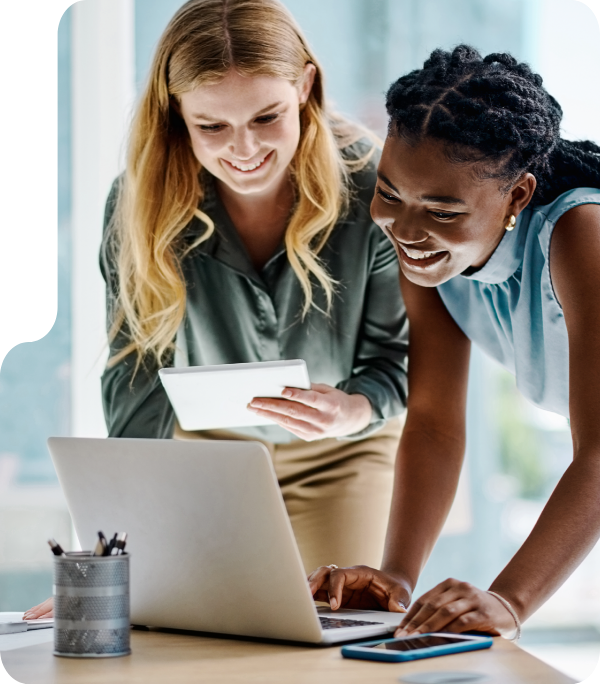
(426, 477)
(566, 531)
(135, 405)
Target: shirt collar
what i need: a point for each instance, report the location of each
(224, 244)
(506, 258)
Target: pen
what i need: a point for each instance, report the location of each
(119, 544)
(111, 545)
(56, 548)
(100, 545)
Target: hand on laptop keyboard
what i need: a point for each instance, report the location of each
(333, 623)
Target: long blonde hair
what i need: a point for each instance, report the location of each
(161, 190)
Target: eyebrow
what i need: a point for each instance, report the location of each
(438, 199)
(206, 117)
(387, 182)
(442, 199)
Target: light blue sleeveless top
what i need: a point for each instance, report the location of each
(509, 309)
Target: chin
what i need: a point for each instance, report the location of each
(426, 279)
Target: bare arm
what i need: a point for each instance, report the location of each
(432, 447)
(570, 522)
(428, 465)
(569, 525)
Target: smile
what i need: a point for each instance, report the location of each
(248, 168)
(420, 258)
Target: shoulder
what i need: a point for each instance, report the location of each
(113, 197)
(109, 247)
(575, 252)
(566, 202)
(362, 158)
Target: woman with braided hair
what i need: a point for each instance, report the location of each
(496, 224)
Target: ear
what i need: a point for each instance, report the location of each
(306, 84)
(521, 194)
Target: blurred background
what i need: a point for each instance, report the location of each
(516, 453)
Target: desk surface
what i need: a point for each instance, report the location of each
(179, 658)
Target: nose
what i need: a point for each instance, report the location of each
(244, 144)
(408, 232)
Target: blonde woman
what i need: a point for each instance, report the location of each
(240, 232)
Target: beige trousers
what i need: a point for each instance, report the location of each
(337, 493)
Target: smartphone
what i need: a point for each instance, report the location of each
(415, 647)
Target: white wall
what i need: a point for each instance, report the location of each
(568, 58)
(103, 91)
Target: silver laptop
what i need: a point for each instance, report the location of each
(211, 545)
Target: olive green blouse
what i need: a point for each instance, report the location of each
(236, 314)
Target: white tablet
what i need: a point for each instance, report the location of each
(212, 397)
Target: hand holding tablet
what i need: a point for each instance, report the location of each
(214, 397)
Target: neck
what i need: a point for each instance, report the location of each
(270, 204)
(260, 219)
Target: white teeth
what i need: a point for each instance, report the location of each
(249, 167)
(417, 254)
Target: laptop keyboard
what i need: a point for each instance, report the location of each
(331, 623)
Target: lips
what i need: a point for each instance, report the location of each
(420, 258)
(248, 168)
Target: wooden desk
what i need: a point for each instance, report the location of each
(176, 658)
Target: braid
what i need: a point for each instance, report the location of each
(494, 112)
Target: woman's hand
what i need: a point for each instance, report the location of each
(42, 610)
(317, 413)
(359, 587)
(455, 606)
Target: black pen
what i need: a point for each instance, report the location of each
(100, 545)
(56, 548)
(119, 544)
(111, 545)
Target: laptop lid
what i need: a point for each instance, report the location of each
(211, 545)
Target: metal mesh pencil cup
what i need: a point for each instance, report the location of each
(91, 605)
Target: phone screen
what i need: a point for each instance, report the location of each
(415, 643)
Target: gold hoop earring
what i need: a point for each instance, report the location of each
(512, 221)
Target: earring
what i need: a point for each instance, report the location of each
(511, 223)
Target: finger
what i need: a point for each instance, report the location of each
(337, 581)
(284, 407)
(467, 622)
(444, 593)
(397, 601)
(306, 430)
(318, 578)
(315, 397)
(444, 616)
(39, 610)
(322, 387)
(349, 584)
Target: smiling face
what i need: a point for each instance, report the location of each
(440, 217)
(245, 130)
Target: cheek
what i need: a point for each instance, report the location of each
(206, 149)
(381, 213)
(284, 135)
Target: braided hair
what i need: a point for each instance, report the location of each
(492, 112)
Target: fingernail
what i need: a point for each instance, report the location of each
(287, 393)
(402, 606)
(333, 602)
(27, 616)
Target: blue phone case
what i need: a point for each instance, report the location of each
(359, 651)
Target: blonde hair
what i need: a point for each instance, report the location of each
(161, 190)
